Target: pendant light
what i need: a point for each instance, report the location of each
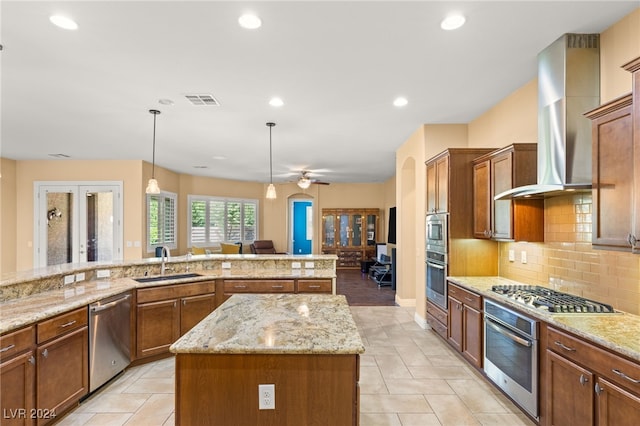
(271, 190)
(152, 186)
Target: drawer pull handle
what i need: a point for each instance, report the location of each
(314, 286)
(277, 286)
(7, 348)
(583, 379)
(240, 286)
(68, 324)
(624, 376)
(468, 299)
(566, 348)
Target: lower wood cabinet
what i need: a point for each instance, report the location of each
(17, 388)
(465, 323)
(588, 385)
(164, 313)
(437, 319)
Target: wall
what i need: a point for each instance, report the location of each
(619, 44)
(7, 215)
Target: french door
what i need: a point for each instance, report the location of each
(77, 222)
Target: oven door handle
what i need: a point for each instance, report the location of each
(435, 265)
(504, 332)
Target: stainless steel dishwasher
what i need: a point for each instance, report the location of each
(109, 338)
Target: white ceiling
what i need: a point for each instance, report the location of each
(337, 65)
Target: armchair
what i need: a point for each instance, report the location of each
(263, 247)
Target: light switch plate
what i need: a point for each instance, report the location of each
(226, 265)
(309, 265)
(103, 273)
(295, 265)
(523, 257)
(80, 276)
(512, 255)
(69, 279)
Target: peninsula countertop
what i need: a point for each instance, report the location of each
(619, 332)
(275, 324)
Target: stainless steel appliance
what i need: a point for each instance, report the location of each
(511, 354)
(552, 301)
(437, 227)
(109, 338)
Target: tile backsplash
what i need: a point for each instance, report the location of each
(567, 262)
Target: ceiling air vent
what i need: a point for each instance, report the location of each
(203, 100)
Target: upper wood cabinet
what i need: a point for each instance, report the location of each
(499, 171)
(616, 174)
(449, 187)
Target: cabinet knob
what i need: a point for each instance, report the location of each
(599, 389)
(583, 379)
(45, 353)
(32, 360)
(184, 302)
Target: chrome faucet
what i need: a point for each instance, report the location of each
(164, 256)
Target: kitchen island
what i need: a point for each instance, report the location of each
(306, 346)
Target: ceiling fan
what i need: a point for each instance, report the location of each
(305, 180)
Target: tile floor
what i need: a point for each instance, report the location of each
(408, 376)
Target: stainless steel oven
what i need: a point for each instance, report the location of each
(437, 226)
(511, 354)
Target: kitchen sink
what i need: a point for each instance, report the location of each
(167, 277)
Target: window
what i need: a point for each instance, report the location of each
(162, 220)
(214, 220)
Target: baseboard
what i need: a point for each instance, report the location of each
(422, 322)
(405, 303)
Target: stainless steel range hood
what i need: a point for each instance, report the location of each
(568, 86)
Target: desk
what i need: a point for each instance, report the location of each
(381, 272)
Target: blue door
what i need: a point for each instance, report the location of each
(302, 231)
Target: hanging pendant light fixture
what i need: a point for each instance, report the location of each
(152, 186)
(271, 190)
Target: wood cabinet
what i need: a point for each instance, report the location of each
(499, 171)
(351, 234)
(17, 376)
(164, 313)
(465, 323)
(437, 319)
(449, 187)
(586, 384)
(62, 363)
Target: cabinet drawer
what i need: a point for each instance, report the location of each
(607, 364)
(174, 291)
(17, 341)
(437, 326)
(314, 286)
(465, 296)
(62, 324)
(261, 286)
(437, 313)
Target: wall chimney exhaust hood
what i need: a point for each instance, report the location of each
(568, 86)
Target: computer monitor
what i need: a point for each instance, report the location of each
(381, 249)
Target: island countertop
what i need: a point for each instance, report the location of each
(275, 324)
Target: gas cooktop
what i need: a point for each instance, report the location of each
(550, 300)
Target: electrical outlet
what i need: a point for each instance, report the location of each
(512, 255)
(295, 265)
(267, 397)
(523, 257)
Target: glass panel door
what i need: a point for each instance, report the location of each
(356, 230)
(344, 229)
(371, 229)
(57, 219)
(329, 230)
(98, 228)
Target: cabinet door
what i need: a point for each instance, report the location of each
(344, 230)
(472, 343)
(372, 229)
(356, 230)
(570, 392)
(328, 231)
(615, 406)
(613, 168)
(431, 187)
(481, 200)
(158, 327)
(455, 324)
(442, 182)
(194, 309)
(62, 372)
(17, 389)
(501, 210)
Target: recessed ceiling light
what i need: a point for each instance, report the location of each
(165, 101)
(452, 22)
(219, 157)
(63, 22)
(276, 102)
(250, 21)
(200, 167)
(400, 102)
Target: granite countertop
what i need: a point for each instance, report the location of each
(275, 324)
(618, 332)
(22, 311)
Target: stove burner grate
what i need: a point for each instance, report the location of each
(551, 300)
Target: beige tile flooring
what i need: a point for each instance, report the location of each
(408, 376)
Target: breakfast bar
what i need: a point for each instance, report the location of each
(304, 347)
